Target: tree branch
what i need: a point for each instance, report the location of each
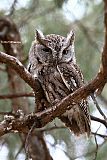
(11, 96)
(12, 8)
(99, 120)
(20, 70)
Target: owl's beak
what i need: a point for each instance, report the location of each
(54, 55)
(60, 55)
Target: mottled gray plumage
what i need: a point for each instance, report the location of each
(52, 61)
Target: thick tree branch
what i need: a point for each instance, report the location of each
(19, 122)
(20, 70)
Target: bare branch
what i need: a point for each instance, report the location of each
(10, 42)
(20, 69)
(12, 8)
(52, 128)
(11, 96)
(100, 135)
(19, 151)
(96, 151)
(99, 120)
(27, 140)
(98, 107)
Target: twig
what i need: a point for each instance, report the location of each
(98, 107)
(99, 120)
(27, 140)
(100, 135)
(53, 145)
(96, 151)
(11, 42)
(52, 128)
(12, 8)
(21, 148)
(16, 95)
(90, 153)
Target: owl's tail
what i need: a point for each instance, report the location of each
(77, 122)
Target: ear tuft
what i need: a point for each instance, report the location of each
(41, 39)
(70, 37)
(39, 35)
(69, 40)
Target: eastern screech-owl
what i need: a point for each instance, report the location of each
(52, 60)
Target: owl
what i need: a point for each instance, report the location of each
(52, 61)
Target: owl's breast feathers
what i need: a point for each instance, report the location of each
(61, 80)
(57, 83)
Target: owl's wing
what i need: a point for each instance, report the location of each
(71, 75)
(78, 117)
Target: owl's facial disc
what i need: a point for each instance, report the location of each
(57, 48)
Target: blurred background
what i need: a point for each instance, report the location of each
(85, 17)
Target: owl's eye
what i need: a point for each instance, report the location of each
(46, 49)
(65, 52)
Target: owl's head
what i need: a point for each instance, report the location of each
(55, 48)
